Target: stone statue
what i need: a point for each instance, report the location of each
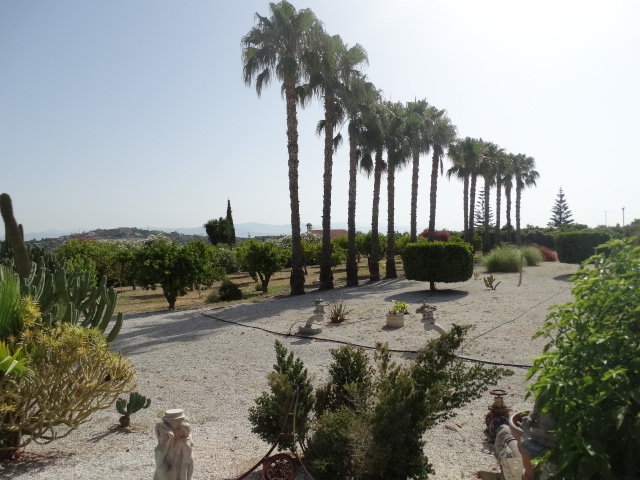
(173, 453)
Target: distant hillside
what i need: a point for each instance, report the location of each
(115, 235)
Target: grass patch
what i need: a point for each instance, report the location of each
(504, 259)
(532, 255)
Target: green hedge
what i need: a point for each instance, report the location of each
(444, 262)
(576, 247)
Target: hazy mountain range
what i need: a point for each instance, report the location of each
(244, 230)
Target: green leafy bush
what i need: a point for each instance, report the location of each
(576, 247)
(229, 291)
(588, 376)
(438, 261)
(532, 256)
(504, 259)
(225, 258)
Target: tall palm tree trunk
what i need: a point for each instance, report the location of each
(507, 193)
(487, 235)
(472, 206)
(435, 161)
(352, 264)
(518, 195)
(374, 260)
(326, 275)
(498, 202)
(296, 280)
(414, 195)
(465, 196)
(391, 244)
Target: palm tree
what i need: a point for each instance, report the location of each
(359, 98)
(503, 163)
(442, 134)
(489, 171)
(507, 180)
(332, 66)
(475, 159)
(417, 123)
(396, 145)
(467, 156)
(525, 176)
(275, 47)
(373, 143)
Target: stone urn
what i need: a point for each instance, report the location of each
(515, 422)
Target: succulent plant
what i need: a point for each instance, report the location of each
(126, 409)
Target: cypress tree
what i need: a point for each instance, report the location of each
(231, 239)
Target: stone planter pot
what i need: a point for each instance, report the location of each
(514, 423)
(395, 320)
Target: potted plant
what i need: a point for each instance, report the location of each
(395, 316)
(588, 377)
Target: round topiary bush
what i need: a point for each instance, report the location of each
(438, 262)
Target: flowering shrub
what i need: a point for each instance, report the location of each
(439, 235)
(547, 254)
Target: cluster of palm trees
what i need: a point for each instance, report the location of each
(292, 46)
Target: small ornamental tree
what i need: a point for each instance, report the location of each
(176, 269)
(560, 213)
(262, 258)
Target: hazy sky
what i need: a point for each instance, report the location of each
(134, 113)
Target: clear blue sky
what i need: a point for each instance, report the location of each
(134, 113)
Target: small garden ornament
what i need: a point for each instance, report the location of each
(174, 451)
(318, 316)
(428, 318)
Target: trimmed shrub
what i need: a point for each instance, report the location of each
(547, 254)
(532, 255)
(576, 247)
(504, 259)
(438, 262)
(229, 291)
(538, 237)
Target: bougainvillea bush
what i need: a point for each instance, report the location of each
(548, 254)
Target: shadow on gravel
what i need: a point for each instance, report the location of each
(30, 463)
(564, 278)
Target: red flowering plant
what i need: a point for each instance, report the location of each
(438, 235)
(588, 376)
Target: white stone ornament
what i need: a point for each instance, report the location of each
(173, 454)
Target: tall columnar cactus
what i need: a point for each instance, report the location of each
(14, 237)
(126, 409)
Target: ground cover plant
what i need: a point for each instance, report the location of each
(588, 375)
(370, 420)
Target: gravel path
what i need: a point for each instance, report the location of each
(213, 363)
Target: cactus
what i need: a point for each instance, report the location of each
(126, 409)
(488, 282)
(44, 278)
(14, 237)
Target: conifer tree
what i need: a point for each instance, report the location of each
(231, 240)
(478, 220)
(561, 215)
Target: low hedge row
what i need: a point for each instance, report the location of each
(576, 247)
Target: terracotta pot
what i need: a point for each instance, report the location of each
(514, 423)
(395, 320)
